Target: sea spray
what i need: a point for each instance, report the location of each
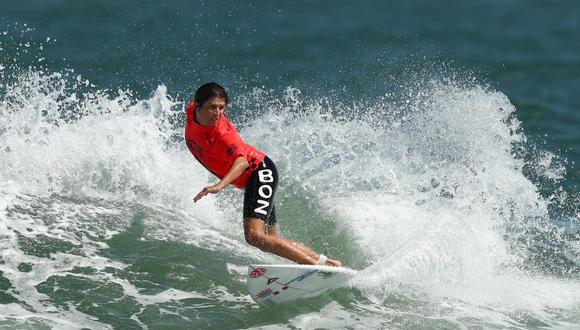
(80, 168)
(434, 193)
(428, 197)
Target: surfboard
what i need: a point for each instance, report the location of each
(275, 284)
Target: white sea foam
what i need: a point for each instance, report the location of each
(428, 191)
(74, 168)
(429, 194)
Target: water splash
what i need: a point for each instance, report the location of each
(434, 192)
(434, 188)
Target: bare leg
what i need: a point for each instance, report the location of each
(272, 230)
(267, 239)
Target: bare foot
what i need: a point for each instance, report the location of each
(333, 262)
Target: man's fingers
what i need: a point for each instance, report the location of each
(200, 195)
(205, 191)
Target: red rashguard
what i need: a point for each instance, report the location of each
(216, 147)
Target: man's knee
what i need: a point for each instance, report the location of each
(251, 238)
(254, 235)
(256, 239)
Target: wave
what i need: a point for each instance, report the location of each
(437, 191)
(430, 195)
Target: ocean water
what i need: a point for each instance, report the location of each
(432, 146)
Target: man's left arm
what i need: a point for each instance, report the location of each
(238, 167)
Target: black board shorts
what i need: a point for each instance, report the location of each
(260, 192)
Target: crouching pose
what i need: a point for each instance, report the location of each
(216, 144)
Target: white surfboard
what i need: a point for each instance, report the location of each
(274, 284)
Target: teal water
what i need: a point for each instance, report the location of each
(433, 147)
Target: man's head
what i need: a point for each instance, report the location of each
(211, 100)
(208, 91)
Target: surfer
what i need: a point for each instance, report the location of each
(216, 144)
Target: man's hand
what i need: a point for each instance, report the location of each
(207, 190)
(239, 166)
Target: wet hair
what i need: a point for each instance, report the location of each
(208, 91)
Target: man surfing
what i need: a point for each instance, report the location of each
(216, 144)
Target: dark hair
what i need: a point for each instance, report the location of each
(208, 91)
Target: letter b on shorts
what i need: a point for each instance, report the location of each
(265, 176)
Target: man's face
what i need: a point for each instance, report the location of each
(211, 111)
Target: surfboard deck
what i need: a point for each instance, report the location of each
(275, 284)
